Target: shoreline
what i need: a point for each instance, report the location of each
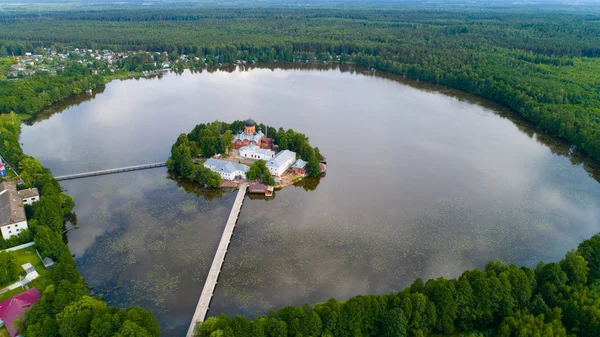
(461, 94)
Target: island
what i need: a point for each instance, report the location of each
(220, 154)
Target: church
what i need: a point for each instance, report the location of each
(251, 136)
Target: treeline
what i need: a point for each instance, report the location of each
(65, 308)
(550, 32)
(552, 300)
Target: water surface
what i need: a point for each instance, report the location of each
(422, 182)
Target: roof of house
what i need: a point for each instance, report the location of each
(11, 205)
(8, 185)
(28, 193)
(255, 149)
(225, 166)
(299, 164)
(257, 188)
(250, 122)
(281, 158)
(14, 307)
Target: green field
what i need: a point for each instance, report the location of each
(28, 255)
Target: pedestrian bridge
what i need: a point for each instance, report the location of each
(215, 269)
(109, 171)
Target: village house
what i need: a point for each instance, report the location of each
(12, 211)
(299, 167)
(228, 170)
(281, 162)
(254, 152)
(251, 136)
(12, 309)
(29, 196)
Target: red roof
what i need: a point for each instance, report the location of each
(257, 188)
(13, 308)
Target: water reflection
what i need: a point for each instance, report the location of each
(422, 181)
(145, 239)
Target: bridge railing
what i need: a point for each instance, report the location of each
(109, 171)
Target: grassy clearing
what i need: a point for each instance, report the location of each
(29, 255)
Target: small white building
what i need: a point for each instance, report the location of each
(281, 162)
(12, 211)
(228, 170)
(29, 196)
(254, 152)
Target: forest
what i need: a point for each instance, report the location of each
(65, 309)
(551, 300)
(540, 62)
(206, 140)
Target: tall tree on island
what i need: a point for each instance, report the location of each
(228, 140)
(259, 171)
(181, 163)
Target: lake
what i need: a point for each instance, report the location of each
(422, 181)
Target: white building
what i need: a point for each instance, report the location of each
(255, 152)
(12, 211)
(228, 170)
(29, 196)
(281, 162)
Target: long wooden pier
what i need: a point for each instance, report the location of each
(110, 171)
(215, 269)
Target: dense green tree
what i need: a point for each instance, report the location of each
(259, 171)
(442, 293)
(394, 324)
(575, 266)
(31, 171)
(527, 325)
(9, 270)
(75, 319)
(551, 273)
(68, 203)
(590, 251)
(181, 163)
